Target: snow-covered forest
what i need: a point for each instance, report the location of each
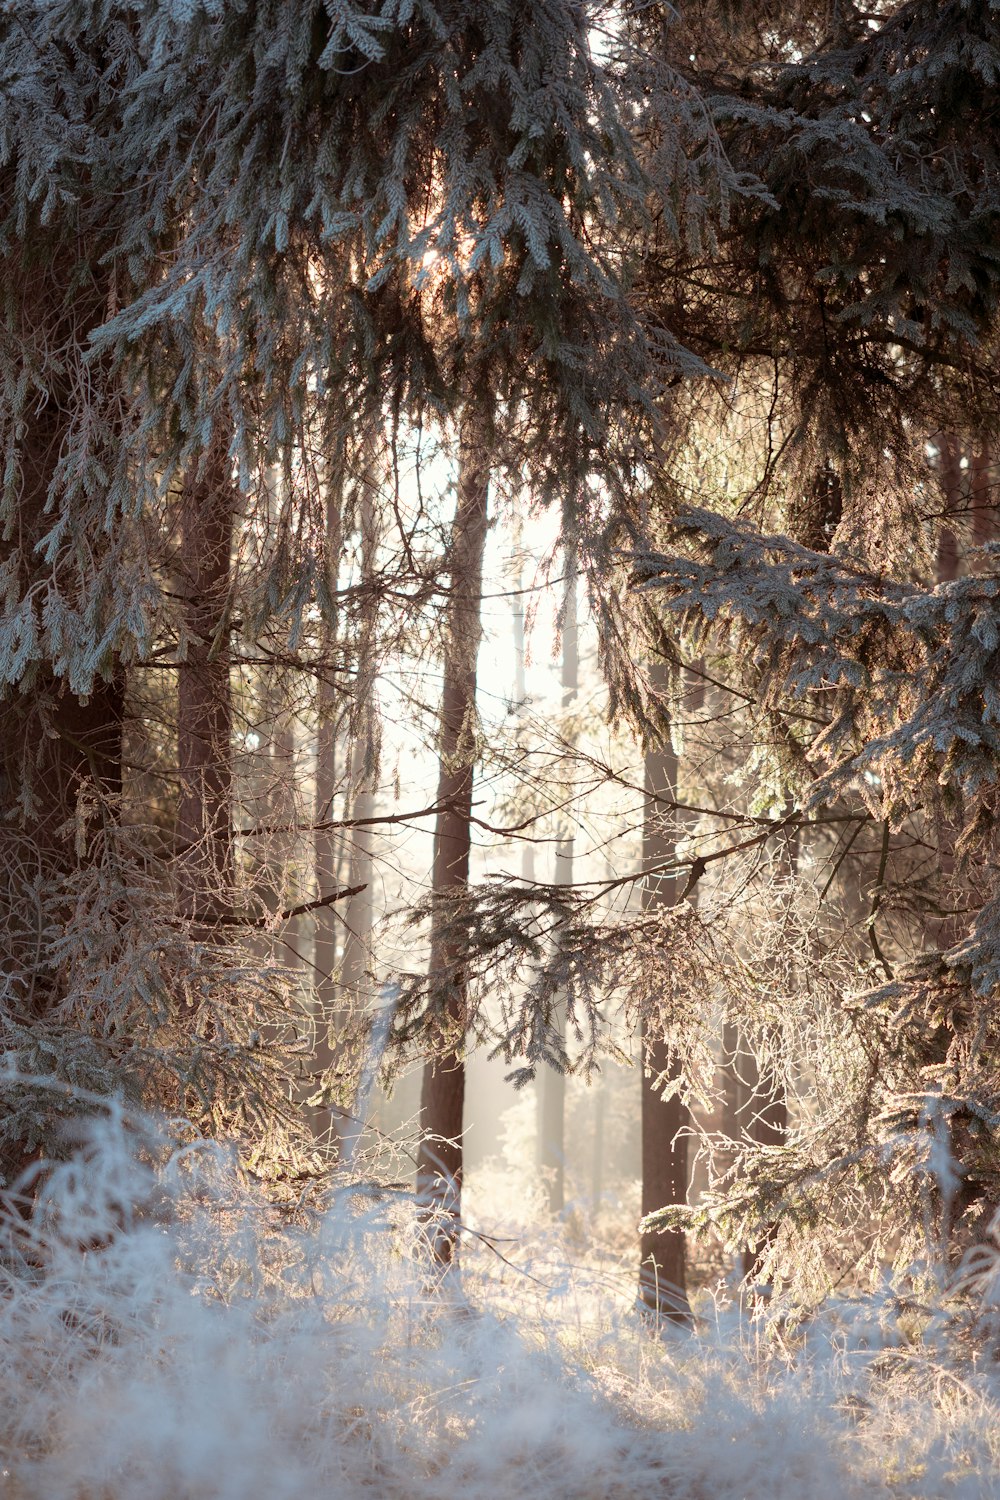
(499, 749)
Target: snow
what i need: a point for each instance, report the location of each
(166, 1334)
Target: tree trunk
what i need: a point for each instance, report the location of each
(356, 960)
(662, 1254)
(54, 743)
(52, 740)
(527, 847)
(947, 930)
(354, 993)
(439, 1163)
(552, 1132)
(284, 812)
(327, 1121)
(343, 968)
(981, 489)
(951, 480)
(204, 703)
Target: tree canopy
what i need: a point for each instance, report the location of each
(739, 255)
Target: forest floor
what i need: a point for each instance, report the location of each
(167, 1335)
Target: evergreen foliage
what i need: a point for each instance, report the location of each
(615, 239)
(854, 305)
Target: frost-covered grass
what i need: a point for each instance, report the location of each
(166, 1334)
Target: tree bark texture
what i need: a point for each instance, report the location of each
(55, 743)
(52, 740)
(662, 1253)
(356, 958)
(204, 701)
(951, 482)
(326, 1121)
(983, 509)
(342, 950)
(439, 1163)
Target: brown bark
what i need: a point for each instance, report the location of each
(51, 739)
(51, 742)
(284, 811)
(343, 965)
(325, 952)
(356, 959)
(439, 1163)
(951, 479)
(326, 1121)
(354, 997)
(946, 930)
(981, 493)
(662, 1291)
(54, 742)
(204, 703)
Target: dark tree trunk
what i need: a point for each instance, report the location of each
(54, 743)
(51, 742)
(51, 738)
(439, 1163)
(951, 480)
(983, 511)
(662, 1254)
(204, 703)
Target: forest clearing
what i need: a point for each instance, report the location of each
(499, 749)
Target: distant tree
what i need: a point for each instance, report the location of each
(552, 1084)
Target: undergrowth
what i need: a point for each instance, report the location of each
(168, 1333)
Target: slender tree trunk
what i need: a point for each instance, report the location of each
(439, 1163)
(552, 1134)
(951, 478)
(327, 1122)
(765, 1106)
(285, 771)
(946, 930)
(983, 511)
(662, 1254)
(527, 847)
(204, 701)
(342, 966)
(358, 914)
(356, 959)
(521, 699)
